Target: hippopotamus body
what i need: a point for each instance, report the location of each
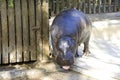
(69, 29)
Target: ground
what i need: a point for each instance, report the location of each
(102, 64)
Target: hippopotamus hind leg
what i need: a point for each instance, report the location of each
(77, 55)
(86, 47)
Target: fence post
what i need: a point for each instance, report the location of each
(99, 6)
(104, 6)
(74, 4)
(57, 6)
(18, 31)
(0, 36)
(12, 50)
(94, 6)
(32, 43)
(89, 8)
(63, 4)
(68, 3)
(45, 30)
(84, 7)
(109, 5)
(53, 8)
(115, 4)
(25, 32)
(78, 4)
(4, 32)
(38, 32)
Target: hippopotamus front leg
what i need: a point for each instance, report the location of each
(77, 55)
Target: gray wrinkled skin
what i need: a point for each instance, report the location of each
(69, 29)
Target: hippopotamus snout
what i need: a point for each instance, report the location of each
(66, 59)
(65, 48)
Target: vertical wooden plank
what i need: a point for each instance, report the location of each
(99, 6)
(78, 4)
(109, 6)
(4, 33)
(104, 6)
(81, 5)
(84, 6)
(50, 8)
(63, 4)
(115, 5)
(54, 7)
(57, 6)
(74, 3)
(25, 30)
(0, 38)
(89, 8)
(68, 3)
(32, 33)
(94, 6)
(45, 29)
(18, 30)
(38, 25)
(12, 49)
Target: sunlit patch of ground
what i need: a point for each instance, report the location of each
(104, 61)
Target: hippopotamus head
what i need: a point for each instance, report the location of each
(65, 52)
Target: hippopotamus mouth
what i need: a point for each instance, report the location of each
(66, 67)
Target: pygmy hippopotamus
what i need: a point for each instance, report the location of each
(69, 29)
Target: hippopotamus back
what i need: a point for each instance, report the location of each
(70, 23)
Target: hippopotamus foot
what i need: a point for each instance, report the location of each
(50, 55)
(86, 52)
(86, 48)
(77, 55)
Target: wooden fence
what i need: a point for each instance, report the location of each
(87, 6)
(23, 30)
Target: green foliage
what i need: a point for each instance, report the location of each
(10, 3)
